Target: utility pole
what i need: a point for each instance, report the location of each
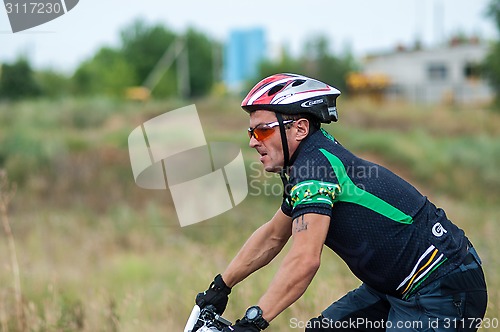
(176, 51)
(183, 82)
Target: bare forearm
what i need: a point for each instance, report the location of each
(290, 282)
(257, 252)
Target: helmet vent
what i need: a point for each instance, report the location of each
(298, 82)
(275, 89)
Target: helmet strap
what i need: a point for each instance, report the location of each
(286, 157)
(284, 142)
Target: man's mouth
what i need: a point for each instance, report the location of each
(262, 153)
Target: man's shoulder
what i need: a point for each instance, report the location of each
(313, 152)
(311, 162)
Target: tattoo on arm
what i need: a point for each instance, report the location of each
(300, 224)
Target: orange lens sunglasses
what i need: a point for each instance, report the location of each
(263, 131)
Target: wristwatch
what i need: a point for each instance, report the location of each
(254, 315)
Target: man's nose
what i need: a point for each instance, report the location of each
(253, 142)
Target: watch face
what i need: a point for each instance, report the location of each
(252, 313)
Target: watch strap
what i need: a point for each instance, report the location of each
(258, 321)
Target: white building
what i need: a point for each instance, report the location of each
(449, 73)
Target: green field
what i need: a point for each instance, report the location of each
(97, 253)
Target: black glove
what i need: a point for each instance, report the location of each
(217, 295)
(242, 325)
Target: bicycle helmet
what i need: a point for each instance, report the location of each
(293, 94)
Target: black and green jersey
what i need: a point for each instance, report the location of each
(391, 236)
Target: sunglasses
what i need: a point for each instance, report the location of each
(263, 131)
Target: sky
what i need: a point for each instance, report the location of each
(361, 26)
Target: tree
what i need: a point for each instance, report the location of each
(316, 62)
(52, 83)
(494, 12)
(325, 66)
(491, 64)
(142, 47)
(107, 73)
(17, 80)
(285, 64)
(201, 52)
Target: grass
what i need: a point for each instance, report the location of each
(97, 253)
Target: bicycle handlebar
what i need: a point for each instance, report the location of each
(205, 320)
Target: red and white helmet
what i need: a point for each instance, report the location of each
(293, 94)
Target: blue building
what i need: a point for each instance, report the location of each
(243, 53)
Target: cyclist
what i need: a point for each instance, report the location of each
(414, 263)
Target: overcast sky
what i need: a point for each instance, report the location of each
(362, 25)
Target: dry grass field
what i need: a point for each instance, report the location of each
(94, 252)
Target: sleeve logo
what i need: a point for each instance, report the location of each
(438, 230)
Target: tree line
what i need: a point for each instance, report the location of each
(114, 69)
(111, 70)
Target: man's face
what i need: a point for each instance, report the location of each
(270, 149)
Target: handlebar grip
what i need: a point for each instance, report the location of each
(193, 318)
(222, 320)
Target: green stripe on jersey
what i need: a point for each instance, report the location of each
(350, 193)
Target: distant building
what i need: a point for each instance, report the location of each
(445, 74)
(244, 51)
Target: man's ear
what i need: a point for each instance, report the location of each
(302, 129)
